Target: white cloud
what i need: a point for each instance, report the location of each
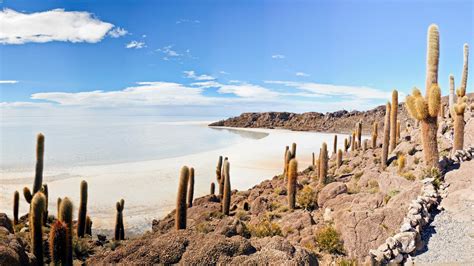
(8, 81)
(355, 92)
(248, 91)
(52, 25)
(192, 75)
(206, 84)
(301, 74)
(135, 45)
(168, 51)
(223, 72)
(117, 32)
(144, 36)
(278, 56)
(195, 21)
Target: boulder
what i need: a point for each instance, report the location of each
(330, 191)
(6, 222)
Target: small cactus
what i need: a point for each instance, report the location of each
(401, 163)
(213, 189)
(359, 134)
(58, 243)
(27, 195)
(81, 218)
(334, 147)
(393, 121)
(39, 163)
(458, 111)
(58, 205)
(386, 135)
(339, 158)
(16, 206)
(191, 187)
(313, 161)
(88, 225)
(323, 164)
(346, 145)
(227, 188)
(374, 135)
(292, 175)
(180, 219)
(119, 227)
(65, 216)
(36, 225)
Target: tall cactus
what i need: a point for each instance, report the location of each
(191, 187)
(227, 188)
(293, 150)
(285, 160)
(359, 134)
(426, 109)
(39, 163)
(354, 144)
(36, 225)
(288, 157)
(452, 95)
(334, 147)
(393, 121)
(313, 162)
(16, 206)
(219, 176)
(459, 109)
(374, 134)
(386, 135)
(58, 243)
(292, 175)
(323, 164)
(81, 218)
(339, 158)
(119, 227)
(464, 70)
(181, 206)
(65, 216)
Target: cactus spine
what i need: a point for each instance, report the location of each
(39, 163)
(334, 147)
(292, 175)
(58, 243)
(374, 135)
(65, 216)
(213, 189)
(393, 121)
(219, 176)
(16, 205)
(323, 164)
(180, 219)
(339, 158)
(191, 187)
(36, 225)
(119, 228)
(426, 109)
(459, 109)
(386, 135)
(81, 218)
(227, 191)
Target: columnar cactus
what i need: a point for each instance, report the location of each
(393, 121)
(81, 218)
(374, 135)
(88, 226)
(386, 135)
(441, 111)
(36, 225)
(16, 206)
(346, 145)
(313, 161)
(27, 194)
(219, 176)
(426, 109)
(334, 147)
(44, 189)
(359, 134)
(39, 163)
(292, 175)
(339, 158)
(288, 157)
(398, 129)
(285, 160)
(119, 227)
(213, 189)
(323, 164)
(181, 206)
(58, 205)
(458, 111)
(354, 144)
(465, 69)
(58, 243)
(452, 95)
(191, 187)
(65, 216)
(364, 147)
(293, 151)
(227, 188)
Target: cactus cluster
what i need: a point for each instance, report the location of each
(81, 217)
(292, 175)
(426, 109)
(393, 121)
(386, 135)
(119, 228)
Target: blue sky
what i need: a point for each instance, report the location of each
(221, 57)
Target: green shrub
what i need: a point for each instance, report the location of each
(203, 227)
(358, 175)
(409, 176)
(373, 186)
(306, 198)
(328, 240)
(265, 228)
(346, 262)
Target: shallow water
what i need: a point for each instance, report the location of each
(138, 159)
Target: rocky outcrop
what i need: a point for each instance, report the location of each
(12, 247)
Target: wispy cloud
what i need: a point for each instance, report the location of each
(135, 45)
(192, 75)
(52, 25)
(301, 74)
(8, 81)
(117, 32)
(278, 56)
(195, 21)
(223, 72)
(248, 91)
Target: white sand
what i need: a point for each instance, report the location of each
(149, 187)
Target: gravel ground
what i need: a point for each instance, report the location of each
(448, 241)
